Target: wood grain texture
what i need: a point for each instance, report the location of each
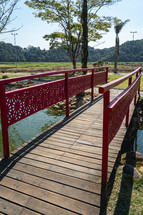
(59, 171)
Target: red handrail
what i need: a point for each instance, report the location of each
(111, 85)
(22, 78)
(114, 113)
(21, 103)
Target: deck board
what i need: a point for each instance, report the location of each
(59, 171)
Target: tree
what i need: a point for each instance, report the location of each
(67, 14)
(118, 25)
(84, 48)
(6, 10)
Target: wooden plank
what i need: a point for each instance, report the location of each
(55, 187)
(11, 195)
(28, 212)
(50, 197)
(59, 171)
(9, 208)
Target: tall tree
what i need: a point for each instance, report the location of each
(84, 22)
(67, 14)
(118, 25)
(6, 10)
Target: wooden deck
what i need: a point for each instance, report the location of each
(59, 171)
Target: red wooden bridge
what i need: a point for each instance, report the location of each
(62, 170)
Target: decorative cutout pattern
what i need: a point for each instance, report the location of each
(120, 110)
(79, 84)
(24, 102)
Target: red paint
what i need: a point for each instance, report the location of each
(22, 78)
(114, 113)
(128, 112)
(111, 85)
(4, 122)
(19, 104)
(92, 85)
(106, 100)
(67, 93)
(106, 74)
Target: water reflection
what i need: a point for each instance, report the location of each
(29, 127)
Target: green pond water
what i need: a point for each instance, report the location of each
(138, 144)
(29, 127)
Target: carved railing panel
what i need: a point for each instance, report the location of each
(79, 84)
(120, 108)
(24, 102)
(100, 78)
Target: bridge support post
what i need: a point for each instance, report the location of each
(127, 116)
(92, 85)
(106, 74)
(4, 121)
(140, 83)
(106, 100)
(67, 93)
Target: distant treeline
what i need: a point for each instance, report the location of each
(129, 51)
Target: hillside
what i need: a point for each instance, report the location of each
(129, 51)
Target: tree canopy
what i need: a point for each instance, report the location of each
(9, 53)
(67, 14)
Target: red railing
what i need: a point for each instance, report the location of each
(115, 111)
(19, 104)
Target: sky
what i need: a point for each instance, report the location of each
(33, 29)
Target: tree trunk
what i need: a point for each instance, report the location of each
(84, 48)
(74, 64)
(116, 53)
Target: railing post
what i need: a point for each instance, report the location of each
(4, 121)
(67, 93)
(135, 99)
(140, 82)
(92, 85)
(106, 74)
(106, 100)
(127, 116)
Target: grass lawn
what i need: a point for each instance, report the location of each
(54, 66)
(123, 85)
(127, 194)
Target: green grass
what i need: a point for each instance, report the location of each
(127, 195)
(51, 66)
(123, 85)
(39, 65)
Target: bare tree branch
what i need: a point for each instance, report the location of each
(6, 10)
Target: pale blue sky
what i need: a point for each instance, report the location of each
(33, 28)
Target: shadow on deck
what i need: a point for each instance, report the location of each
(59, 171)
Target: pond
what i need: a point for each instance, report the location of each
(138, 144)
(29, 127)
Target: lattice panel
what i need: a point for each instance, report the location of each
(24, 102)
(79, 84)
(99, 78)
(120, 110)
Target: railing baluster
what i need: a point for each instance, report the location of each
(92, 85)
(140, 71)
(106, 74)
(135, 99)
(127, 116)
(4, 121)
(67, 93)
(106, 100)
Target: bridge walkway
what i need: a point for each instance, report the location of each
(59, 171)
